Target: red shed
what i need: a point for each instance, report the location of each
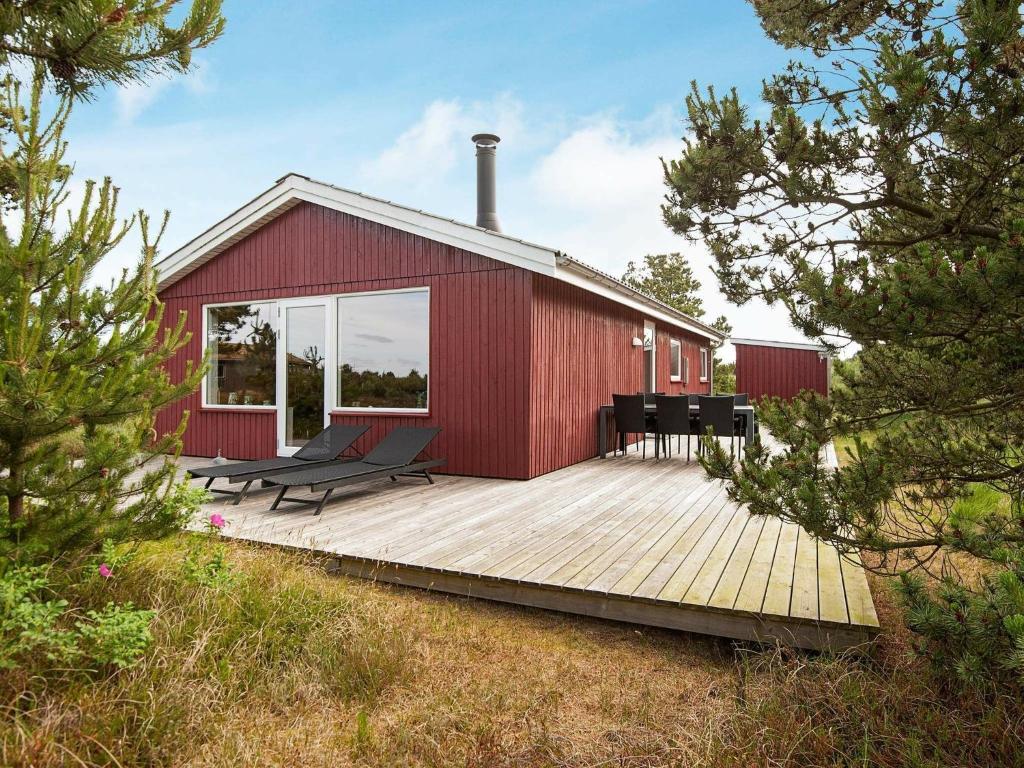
(320, 304)
(780, 369)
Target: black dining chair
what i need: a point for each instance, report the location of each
(741, 418)
(694, 418)
(630, 418)
(719, 413)
(651, 418)
(649, 397)
(673, 419)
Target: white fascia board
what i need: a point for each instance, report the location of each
(294, 189)
(234, 227)
(780, 345)
(469, 238)
(578, 274)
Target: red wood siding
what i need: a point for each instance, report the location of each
(480, 337)
(582, 353)
(763, 371)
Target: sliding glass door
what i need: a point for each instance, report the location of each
(301, 366)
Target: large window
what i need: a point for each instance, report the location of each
(675, 360)
(383, 350)
(242, 340)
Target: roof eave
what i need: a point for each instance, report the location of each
(648, 304)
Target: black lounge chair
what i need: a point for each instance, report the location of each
(322, 449)
(394, 456)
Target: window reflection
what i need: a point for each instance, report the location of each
(243, 354)
(383, 350)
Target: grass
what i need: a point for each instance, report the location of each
(293, 666)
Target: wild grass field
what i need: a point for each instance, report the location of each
(290, 665)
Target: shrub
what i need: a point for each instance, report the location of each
(33, 626)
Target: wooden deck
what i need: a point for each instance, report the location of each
(650, 542)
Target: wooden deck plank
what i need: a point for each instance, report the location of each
(831, 594)
(858, 595)
(653, 507)
(477, 541)
(589, 563)
(519, 538)
(715, 540)
(707, 579)
(561, 538)
(586, 544)
(755, 581)
(731, 579)
(654, 583)
(804, 602)
(411, 538)
(779, 592)
(652, 558)
(647, 540)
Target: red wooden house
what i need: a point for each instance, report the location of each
(780, 369)
(321, 304)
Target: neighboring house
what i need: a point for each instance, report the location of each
(781, 369)
(411, 318)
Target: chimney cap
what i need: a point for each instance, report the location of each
(485, 139)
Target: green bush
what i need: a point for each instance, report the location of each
(32, 625)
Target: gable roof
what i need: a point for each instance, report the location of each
(293, 189)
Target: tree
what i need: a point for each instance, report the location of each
(73, 357)
(881, 203)
(90, 43)
(86, 44)
(669, 279)
(724, 374)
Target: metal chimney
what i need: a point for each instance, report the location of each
(486, 196)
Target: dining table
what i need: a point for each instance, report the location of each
(745, 412)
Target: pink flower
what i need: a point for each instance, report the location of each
(105, 570)
(216, 521)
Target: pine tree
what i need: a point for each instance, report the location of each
(668, 278)
(79, 362)
(881, 204)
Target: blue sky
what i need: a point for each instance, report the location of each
(383, 97)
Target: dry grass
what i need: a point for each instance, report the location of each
(292, 666)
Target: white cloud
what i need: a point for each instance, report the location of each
(136, 97)
(435, 144)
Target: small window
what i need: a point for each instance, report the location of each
(383, 350)
(675, 360)
(242, 341)
(703, 364)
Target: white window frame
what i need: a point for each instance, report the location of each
(650, 326)
(705, 364)
(675, 359)
(203, 388)
(335, 357)
(283, 305)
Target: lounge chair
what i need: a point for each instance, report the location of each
(324, 448)
(394, 456)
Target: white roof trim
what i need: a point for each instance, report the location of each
(292, 189)
(781, 345)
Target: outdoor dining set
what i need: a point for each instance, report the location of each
(679, 416)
